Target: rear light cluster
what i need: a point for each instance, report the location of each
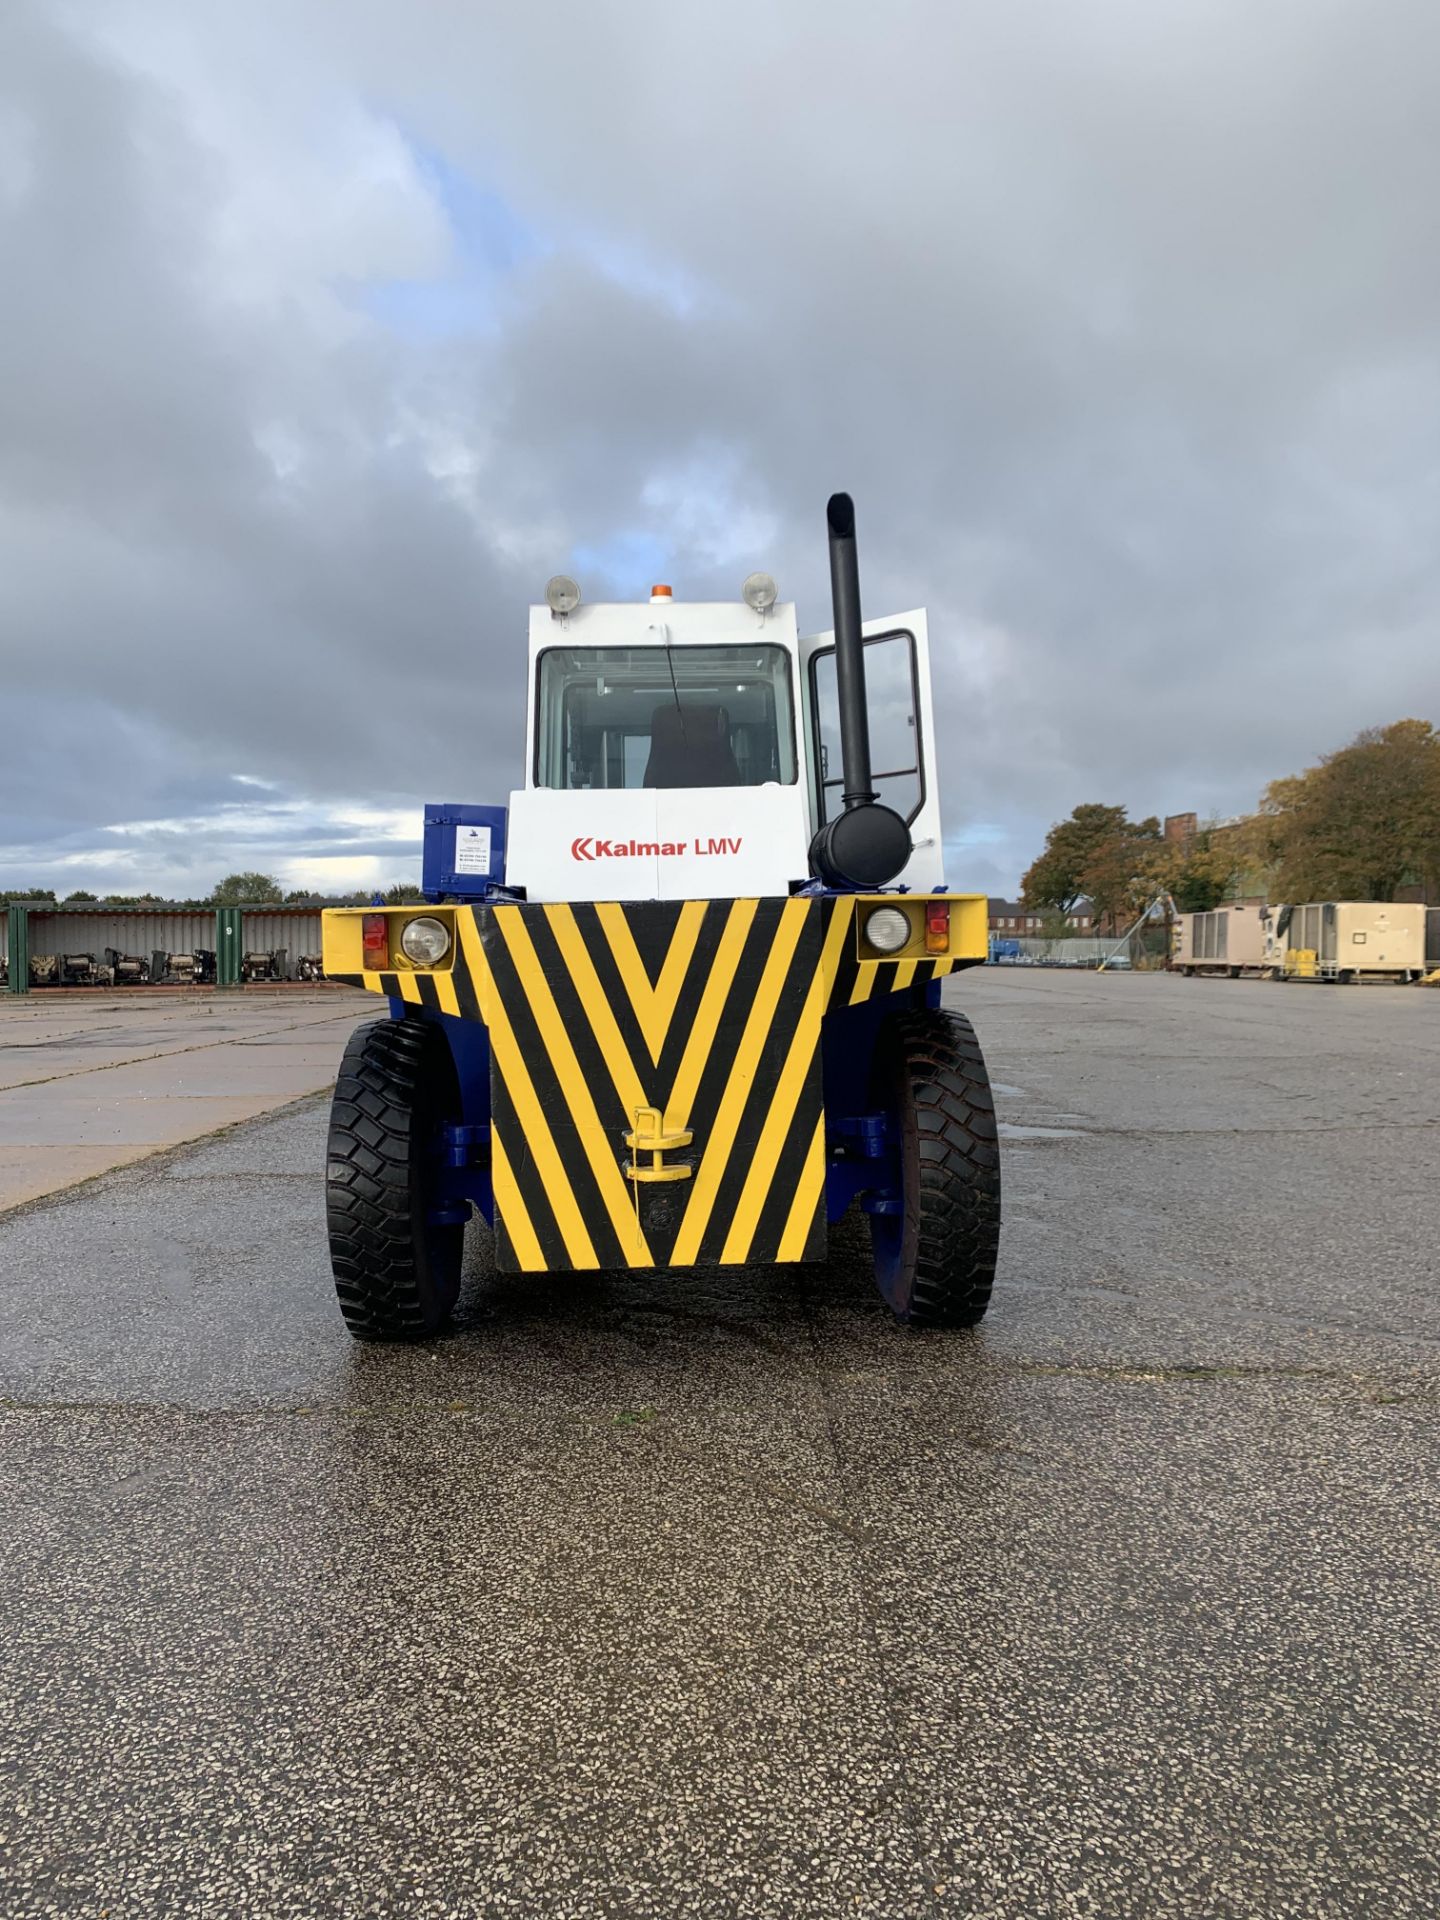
(937, 926)
(375, 940)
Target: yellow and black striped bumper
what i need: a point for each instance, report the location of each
(655, 1087)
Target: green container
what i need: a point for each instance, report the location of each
(19, 931)
(229, 945)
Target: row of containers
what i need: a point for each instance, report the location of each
(1341, 940)
(43, 946)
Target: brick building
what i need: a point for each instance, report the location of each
(1013, 920)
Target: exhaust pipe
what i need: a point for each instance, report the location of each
(866, 844)
(849, 652)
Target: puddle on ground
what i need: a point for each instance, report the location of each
(1009, 1132)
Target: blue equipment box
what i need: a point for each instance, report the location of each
(464, 849)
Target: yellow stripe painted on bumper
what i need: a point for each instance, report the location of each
(707, 1016)
(807, 1197)
(510, 1208)
(654, 1006)
(528, 1110)
(619, 1202)
(742, 1074)
(775, 1132)
(597, 1007)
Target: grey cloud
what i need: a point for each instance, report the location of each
(1118, 321)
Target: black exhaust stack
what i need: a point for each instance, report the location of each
(867, 844)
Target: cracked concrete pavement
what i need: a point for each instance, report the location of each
(718, 1594)
(89, 1082)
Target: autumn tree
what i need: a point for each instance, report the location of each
(1057, 877)
(1199, 876)
(1362, 823)
(1126, 870)
(1100, 852)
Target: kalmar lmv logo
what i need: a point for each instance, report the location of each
(587, 849)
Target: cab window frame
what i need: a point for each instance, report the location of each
(876, 773)
(698, 646)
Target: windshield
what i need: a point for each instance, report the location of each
(692, 716)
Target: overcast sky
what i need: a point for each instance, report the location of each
(329, 331)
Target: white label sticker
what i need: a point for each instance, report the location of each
(472, 850)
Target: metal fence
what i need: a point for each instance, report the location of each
(1146, 947)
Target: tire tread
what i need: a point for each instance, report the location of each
(374, 1199)
(958, 1156)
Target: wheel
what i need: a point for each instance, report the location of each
(935, 1256)
(397, 1272)
(1234, 973)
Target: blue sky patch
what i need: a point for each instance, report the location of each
(489, 239)
(628, 562)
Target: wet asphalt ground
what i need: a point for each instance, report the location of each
(719, 1594)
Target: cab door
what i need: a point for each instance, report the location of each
(902, 733)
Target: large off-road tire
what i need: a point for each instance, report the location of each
(397, 1272)
(935, 1260)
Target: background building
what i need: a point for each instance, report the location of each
(1013, 918)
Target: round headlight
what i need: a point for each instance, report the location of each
(759, 592)
(561, 594)
(424, 941)
(887, 928)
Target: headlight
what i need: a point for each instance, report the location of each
(425, 942)
(561, 594)
(887, 929)
(759, 592)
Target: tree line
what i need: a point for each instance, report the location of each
(1360, 825)
(235, 890)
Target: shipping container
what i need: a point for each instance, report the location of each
(1349, 940)
(293, 930)
(132, 930)
(152, 934)
(1229, 940)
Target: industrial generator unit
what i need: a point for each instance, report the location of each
(80, 970)
(678, 1004)
(44, 970)
(1353, 940)
(127, 969)
(1228, 941)
(264, 966)
(310, 966)
(173, 969)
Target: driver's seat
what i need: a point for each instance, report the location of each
(690, 747)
